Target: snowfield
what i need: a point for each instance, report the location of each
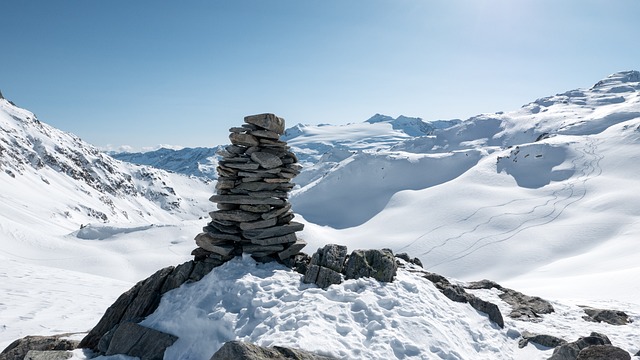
(542, 199)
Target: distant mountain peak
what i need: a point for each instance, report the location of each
(620, 77)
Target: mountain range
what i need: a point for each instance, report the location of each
(542, 199)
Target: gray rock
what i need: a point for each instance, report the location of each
(262, 208)
(257, 186)
(488, 308)
(215, 246)
(135, 340)
(524, 307)
(266, 160)
(285, 239)
(238, 350)
(246, 200)
(571, 350)
(48, 355)
(331, 256)
(311, 275)
(378, 264)
(541, 339)
(234, 215)
(407, 258)
(260, 224)
(612, 317)
(265, 134)
(273, 231)
(241, 166)
(18, 349)
(243, 139)
(276, 212)
(266, 121)
(292, 249)
(251, 249)
(603, 352)
(327, 277)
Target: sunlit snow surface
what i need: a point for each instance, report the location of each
(543, 199)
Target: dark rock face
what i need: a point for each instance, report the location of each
(328, 265)
(603, 352)
(613, 317)
(570, 351)
(540, 339)
(458, 294)
(525, 307)
(378, 264)
(238, 350)
(136, 340)
(407, 258)
(18, 349)
(143, 299)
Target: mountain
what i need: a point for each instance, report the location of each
(199, 162)
(541, 199)
(65, 197)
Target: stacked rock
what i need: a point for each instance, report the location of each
(254, 180)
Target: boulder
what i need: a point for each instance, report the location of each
(603, 352)
(135, 340)
(524, 307)
(488, 308)
(612, 317)
(378, 264)
(238, 350)
(540, 339)
(570, 351)
(18, 349)
(48, 355)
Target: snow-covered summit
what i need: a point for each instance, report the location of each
(622, 77)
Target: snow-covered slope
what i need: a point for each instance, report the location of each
(53, 184)
(546, 192)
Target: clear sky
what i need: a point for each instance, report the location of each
(149, 72)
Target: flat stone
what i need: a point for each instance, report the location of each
(260, 224)
(237, 129)
(214, 245)
(273, 231)
(266, 121)
(235, 149)
(285, 239)
(257, 186)
(245, 200)
(215, 238)
(262, 175)
(265, 134)
(222, 171)
(243, 139)
(243, 166)
(276, 212)
(263, 208)
(214, 227)
(286, 218)
(138, 341)
(225, 184)
(234, 215)
(292, 250)
(227, 206)
(268, 194)
(252, 248)
(276, 180)
(266, 160)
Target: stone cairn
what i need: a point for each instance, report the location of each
(254, 180)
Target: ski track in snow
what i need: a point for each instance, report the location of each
(540, 213)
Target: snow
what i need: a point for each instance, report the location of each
(542, 199)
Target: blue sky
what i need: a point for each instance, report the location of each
(143, 73)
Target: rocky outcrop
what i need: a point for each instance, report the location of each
(612, 317)
(570, 351)
(540, 339)
(378, 264)
(524, 307)
(48, 355)
(143, 299)
(238, 350)
(18, 349)
(254, 179)
(458, 294)
(407, 258)
(135, 340)
(330, 263)
(603, 352)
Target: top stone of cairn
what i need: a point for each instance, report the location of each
(267, 121)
